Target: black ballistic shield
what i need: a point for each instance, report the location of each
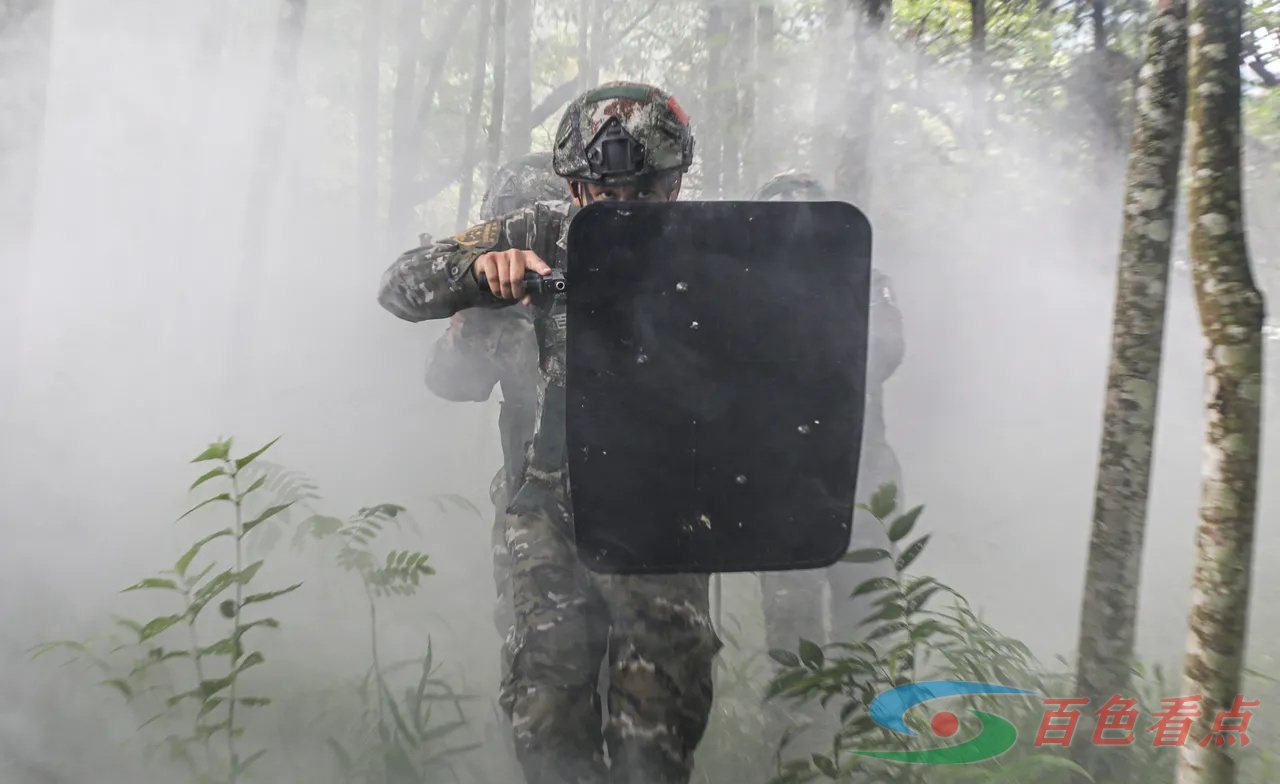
(716, 373)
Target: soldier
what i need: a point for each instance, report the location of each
(487, 347)
(619, 142)
(793, 603)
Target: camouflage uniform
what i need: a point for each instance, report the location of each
(498, 347)
(655, 631)
(793, 604)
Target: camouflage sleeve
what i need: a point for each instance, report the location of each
(435, 281)
(466, 362)
(888, 345)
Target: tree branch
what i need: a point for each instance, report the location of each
(430, 187)
(1253, 58)
(441, 44)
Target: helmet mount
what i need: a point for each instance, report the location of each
(615, 152)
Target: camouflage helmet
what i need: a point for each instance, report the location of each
(792, 186)
(621, 132)
(520, 182)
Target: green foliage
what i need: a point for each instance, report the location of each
(398, 742)
(182, 672)
(399, 739)
(204, 695)
(906, 640)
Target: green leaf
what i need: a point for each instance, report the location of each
(212, 473)
(209, 591)
(262, 597)
(252, 660)
(249, 571)
(825, 766)
(157, 625)
(344, 759)
(811, 654)
(206, 502)
(243, 765)
(903, 525)
(884, 500)
(928, 628)
(439, 732)
(185, 561)
(914, 603)
(259, 482)
(318, 527)
(886, 630)
(1035, 768)
(209, 705)
(249, 458)
(159, 583)
(872, 585)
(867, 555)
(218, 450)
(269, 512)
(912, 552)
(784, 657)
(889, 612)
(121, 686)
(399, 766)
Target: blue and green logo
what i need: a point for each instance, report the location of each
(996, 737)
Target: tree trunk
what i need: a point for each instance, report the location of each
(367, 145)
(601, 53)
(519, 96)
(764, 100)
(712, 141)
(499, 87)
(404, 165)
(833, 79)
(738, 54)
(1107, 623)
(853, 166)
(1106, 104)
(265, 176)
(586, 77)
(1232, 313)
(981, 110)
(26, 38)
(1098, 23)
(470, 158)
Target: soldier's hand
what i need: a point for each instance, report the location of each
(504, 272)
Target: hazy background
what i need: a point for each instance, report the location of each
(126, 365)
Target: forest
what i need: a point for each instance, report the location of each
(245, 543)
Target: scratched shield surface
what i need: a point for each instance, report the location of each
(716, 363)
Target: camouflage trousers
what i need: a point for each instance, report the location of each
(653, 637)
(794, 610)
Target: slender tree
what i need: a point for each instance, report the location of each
(1232, 314)
(862, 100)
(26, 40)
(1107, 623)
(470, 158)
(264, 179)
(712, 143)
(404, 163)
(764, 99)
(498, 100)
(519, 78)
(367, 121)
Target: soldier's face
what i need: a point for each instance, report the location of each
(652, 191)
